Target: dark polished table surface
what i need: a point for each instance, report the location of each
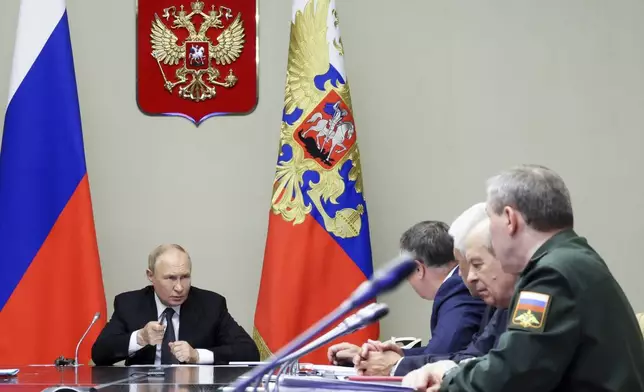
(184, 378)
(177, 378)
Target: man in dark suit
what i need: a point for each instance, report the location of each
(171, 322)
(456, 314)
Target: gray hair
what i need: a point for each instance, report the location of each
(538, 193)
(429, 242)
(480, 232)
(464, 223)
(161, 249)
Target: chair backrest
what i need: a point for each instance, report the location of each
(640, 319)
(407, 343)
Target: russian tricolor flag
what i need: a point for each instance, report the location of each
(50, 276)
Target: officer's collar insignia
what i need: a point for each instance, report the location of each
(530, 311)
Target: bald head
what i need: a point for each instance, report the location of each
(161, 250)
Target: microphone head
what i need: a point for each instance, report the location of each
(97, 316)
(372, 307)
(373, 312)
(365, 316)
(383, 280)
(393, 273)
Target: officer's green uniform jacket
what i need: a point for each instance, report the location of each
(570, 329)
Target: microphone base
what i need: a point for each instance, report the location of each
(62, 361)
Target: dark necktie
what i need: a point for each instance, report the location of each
(167, 357)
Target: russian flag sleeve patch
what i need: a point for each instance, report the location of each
(530, 311)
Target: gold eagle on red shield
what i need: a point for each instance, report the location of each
(197, 49)
(197, 59)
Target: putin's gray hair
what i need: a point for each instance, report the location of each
(161, 249)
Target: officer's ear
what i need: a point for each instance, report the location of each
(512, 217)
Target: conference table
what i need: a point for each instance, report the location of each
(171, 378)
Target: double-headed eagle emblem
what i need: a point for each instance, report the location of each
(197, 51)
(527, 320)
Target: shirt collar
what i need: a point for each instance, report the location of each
(161, 307)
(450, 274)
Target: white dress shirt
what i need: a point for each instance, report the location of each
(205, 356)
(449, 275)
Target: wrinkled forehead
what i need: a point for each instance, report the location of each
(478, 250)
(173, 259)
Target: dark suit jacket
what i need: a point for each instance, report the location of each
(204, 322)
(456, 317)
(480, 345)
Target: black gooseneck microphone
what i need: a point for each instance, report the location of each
(360, 319)
(383, 280)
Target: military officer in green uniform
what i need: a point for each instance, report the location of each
(570, 327)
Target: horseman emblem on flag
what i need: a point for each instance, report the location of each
(196, 60)
(318, 227)
(328, 133)
(319, 161)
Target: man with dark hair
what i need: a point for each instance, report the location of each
(570, 326)
(433, 248)
(456, 315)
